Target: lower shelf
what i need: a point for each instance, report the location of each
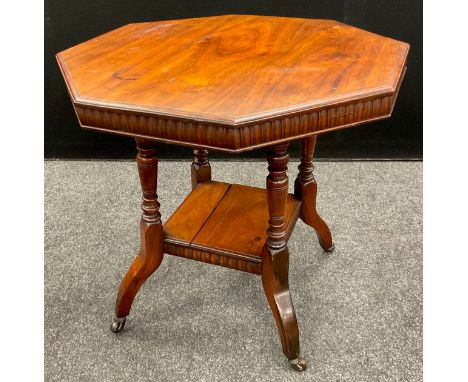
(224, 224)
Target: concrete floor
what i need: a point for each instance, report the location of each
(359, 309)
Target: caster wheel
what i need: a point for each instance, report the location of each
(298, 364)
(118, 324)
(331, 249)
(328, 250)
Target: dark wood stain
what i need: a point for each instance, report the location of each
(232, 83)
(230, 71)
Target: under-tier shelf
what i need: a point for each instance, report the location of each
(224, 224)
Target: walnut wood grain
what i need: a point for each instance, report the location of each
(225, 225)
(275, 254)
(233, 82)
(151, 233)
(305, 189)
(240, 221)
(193, 212)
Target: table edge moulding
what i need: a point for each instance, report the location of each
(235, 137)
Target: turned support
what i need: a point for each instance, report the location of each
(306, 167)
(275, 258)
(277, 189)
(305, 189)
(151, 234)
(201, 169)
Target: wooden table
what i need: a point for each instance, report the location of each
(232, 83)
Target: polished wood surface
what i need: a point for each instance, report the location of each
(240, 221)
(233, 82)
(233, 68)
(225, 225)
(151, 233)
(193, 212)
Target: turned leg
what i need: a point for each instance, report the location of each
(305, 189)
(201, 169)
(275, 258)
(151, 234)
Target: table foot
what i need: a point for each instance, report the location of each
(275, 284)
(118, 324)
(298, 364)
(310, 216)
(275, 254)
(148, 260)
(329, 249)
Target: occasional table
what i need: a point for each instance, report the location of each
(231, 83)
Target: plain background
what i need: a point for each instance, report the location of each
(68, 23)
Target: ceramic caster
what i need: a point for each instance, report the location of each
(118, 324)
(298, 364)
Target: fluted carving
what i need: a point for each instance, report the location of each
(235, 138)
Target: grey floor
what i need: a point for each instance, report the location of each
(359, 309)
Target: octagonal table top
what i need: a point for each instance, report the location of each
(233, 82)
